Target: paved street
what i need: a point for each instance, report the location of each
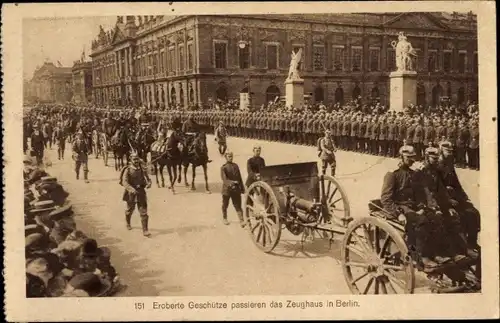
(191, 252)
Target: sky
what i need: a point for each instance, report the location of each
(60, 39)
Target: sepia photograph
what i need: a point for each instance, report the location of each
(206, 162)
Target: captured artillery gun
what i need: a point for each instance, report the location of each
(298, 198)
(374, 254)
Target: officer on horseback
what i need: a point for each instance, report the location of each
(192, 129)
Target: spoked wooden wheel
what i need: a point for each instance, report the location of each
(375, 259)
(261, 213)
(335, 202)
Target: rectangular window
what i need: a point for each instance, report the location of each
(338, 58)
(272, 56)
(318, 58)
(357, 58)
(419, 60)
(171, 59)
(155, 63)
(462, 62)
(391, 60)
(374, 59)
(244, 56)
(475, 64)
(220, 55)
(190, 56)
(181, 58)
(447, 61)
(432, 63)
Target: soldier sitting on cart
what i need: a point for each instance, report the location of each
(403, 193)
(446, 223)
(469, 215)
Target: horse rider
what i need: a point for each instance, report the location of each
(402, 193)
(191, 128)
(232, 188)
(254, 166)
(80, 150)
(221, 137)
(60, 138)
(134, 178)
(327, 153)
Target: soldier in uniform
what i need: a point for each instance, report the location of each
(327, 153)
(254, 165)
(135, 180)
(37, 144)
(446, 224)
(429, 133)
(469, 215)
(232, 188)
(463, 138)
(80, 150)
(440, 132)
(473, 146)
(418, 139)
(392, 136)
(452, 135)
(220, 137)
(309, 129)
(375, 137)
(402, 193)
(382, 137)
(60, 138)
(354, 133)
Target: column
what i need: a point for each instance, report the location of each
(131, 61)
(425, 68)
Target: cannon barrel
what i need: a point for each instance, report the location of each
(303, 205)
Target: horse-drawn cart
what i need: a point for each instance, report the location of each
(374, 254)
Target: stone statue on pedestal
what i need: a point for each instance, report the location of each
(404, 52)
(293, 72)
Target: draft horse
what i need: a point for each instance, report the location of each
(195, 153)
(120, 145)
(167, 154)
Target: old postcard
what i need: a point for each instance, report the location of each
(250, 161)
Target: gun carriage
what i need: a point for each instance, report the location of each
(374, 255)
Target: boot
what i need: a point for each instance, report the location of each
(224, 218)
(127, 219)
(144, 222)
(240, 216)
(77, 175)
(85, 177)
(333, 172)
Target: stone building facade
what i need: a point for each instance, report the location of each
(165, 60)
(51, 84)
(82, 82)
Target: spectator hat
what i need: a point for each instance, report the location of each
(89, 283)
(445, 146)
(432, 152)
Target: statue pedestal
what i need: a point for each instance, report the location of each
(244, 100)
(403, 89)
(294, 93)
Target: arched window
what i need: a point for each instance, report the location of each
(461, 96)
(221, 93)
(339, 95)
(421, 100)
(319, 95)
(272, 92)
(181, 96)
(191, 95)
(356, 92)
(437, 92)
(173, 96)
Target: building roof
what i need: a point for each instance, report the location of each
(48, 68)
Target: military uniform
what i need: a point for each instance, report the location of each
(402, 193)
(418, 139)
(383, 137)
(374, 137)
(232, 188)
(327, 155)
(60, 138)
(463, 138)
(135, 180)
(473, 147)
(392, 138)
(221, 138)
(254, 165)
(80, 156)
